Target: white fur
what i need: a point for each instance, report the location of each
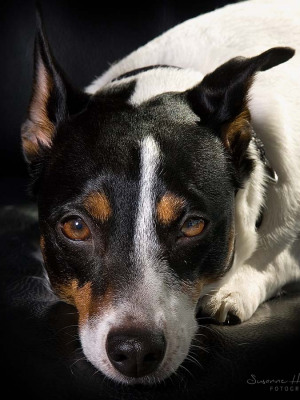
(145, 237)
(264, 260)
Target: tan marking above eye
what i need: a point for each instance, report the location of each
(169, 208)
(98, 206)
(76, 229)
(193, 227)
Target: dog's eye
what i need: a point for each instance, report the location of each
(76, 229)
(193, 227)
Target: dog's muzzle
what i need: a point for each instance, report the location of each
(135, 352)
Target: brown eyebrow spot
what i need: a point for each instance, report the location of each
(97, 204)
(168, 208)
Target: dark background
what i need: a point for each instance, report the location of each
(85, 37)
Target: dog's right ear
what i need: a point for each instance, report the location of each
(53, 99)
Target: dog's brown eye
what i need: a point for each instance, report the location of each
(193, 227)
(76, 229)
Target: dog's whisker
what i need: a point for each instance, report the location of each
(73, 340)
(208, 328)
(74, 363)
(184, 368)
(193, 360)
(67, 327)
(200, 348)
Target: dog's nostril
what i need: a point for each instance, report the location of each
(135, 353)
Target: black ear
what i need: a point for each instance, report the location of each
(53, 99)
(220, 100)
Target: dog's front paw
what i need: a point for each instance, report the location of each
(230, 306)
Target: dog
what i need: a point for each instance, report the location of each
(171, 184)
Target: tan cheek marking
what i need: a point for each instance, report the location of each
(97, 204)
(168, 208)
(83, 301)
(82, 298)
(66, 291)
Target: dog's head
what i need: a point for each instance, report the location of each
(136, 196)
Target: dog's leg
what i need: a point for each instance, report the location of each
(240, 292)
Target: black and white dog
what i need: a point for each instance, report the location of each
(171, 184)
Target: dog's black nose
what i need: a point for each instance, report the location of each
(135, 353)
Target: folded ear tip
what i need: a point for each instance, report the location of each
(276, 56)
(287, 52)
(292, 51)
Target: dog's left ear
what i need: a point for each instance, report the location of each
(220, 100)
(53, 100)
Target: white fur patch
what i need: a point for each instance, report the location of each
(145, 236)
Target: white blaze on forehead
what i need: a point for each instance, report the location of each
(145, 236)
